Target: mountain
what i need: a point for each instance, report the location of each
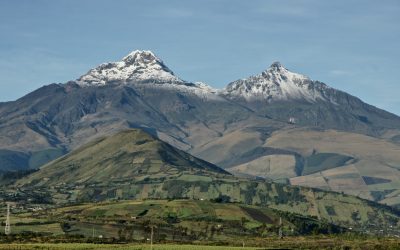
(334, 140)
(138, 66)
(281, 94)
(62, 117)
(276, 83)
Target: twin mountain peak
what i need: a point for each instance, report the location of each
(144, 67)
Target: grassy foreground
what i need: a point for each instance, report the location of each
(117, 247)
(267, 243)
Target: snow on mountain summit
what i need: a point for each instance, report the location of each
(143, 67)
(140, 66)
(144, 70)
(275, 83)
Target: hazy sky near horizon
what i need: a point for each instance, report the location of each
(352, 45)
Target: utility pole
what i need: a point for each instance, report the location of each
(7, 229)
(151, 237)
(280, 228)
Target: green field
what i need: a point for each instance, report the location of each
(250, 244)
(119, 247)
(178, 221)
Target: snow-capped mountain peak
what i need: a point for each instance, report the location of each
(275, 83)
(144, 57)
(143, 67)
(144, 70)
(139, 66)
(277, 71)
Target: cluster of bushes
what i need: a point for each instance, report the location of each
(306, 225)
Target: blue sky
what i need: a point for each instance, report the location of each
(352, 45)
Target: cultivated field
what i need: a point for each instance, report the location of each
(257, 243)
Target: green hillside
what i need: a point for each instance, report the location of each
(126, 156)
(180, 219)
(133, 165)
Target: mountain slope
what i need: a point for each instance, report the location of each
(125, 156)
(67, 115)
